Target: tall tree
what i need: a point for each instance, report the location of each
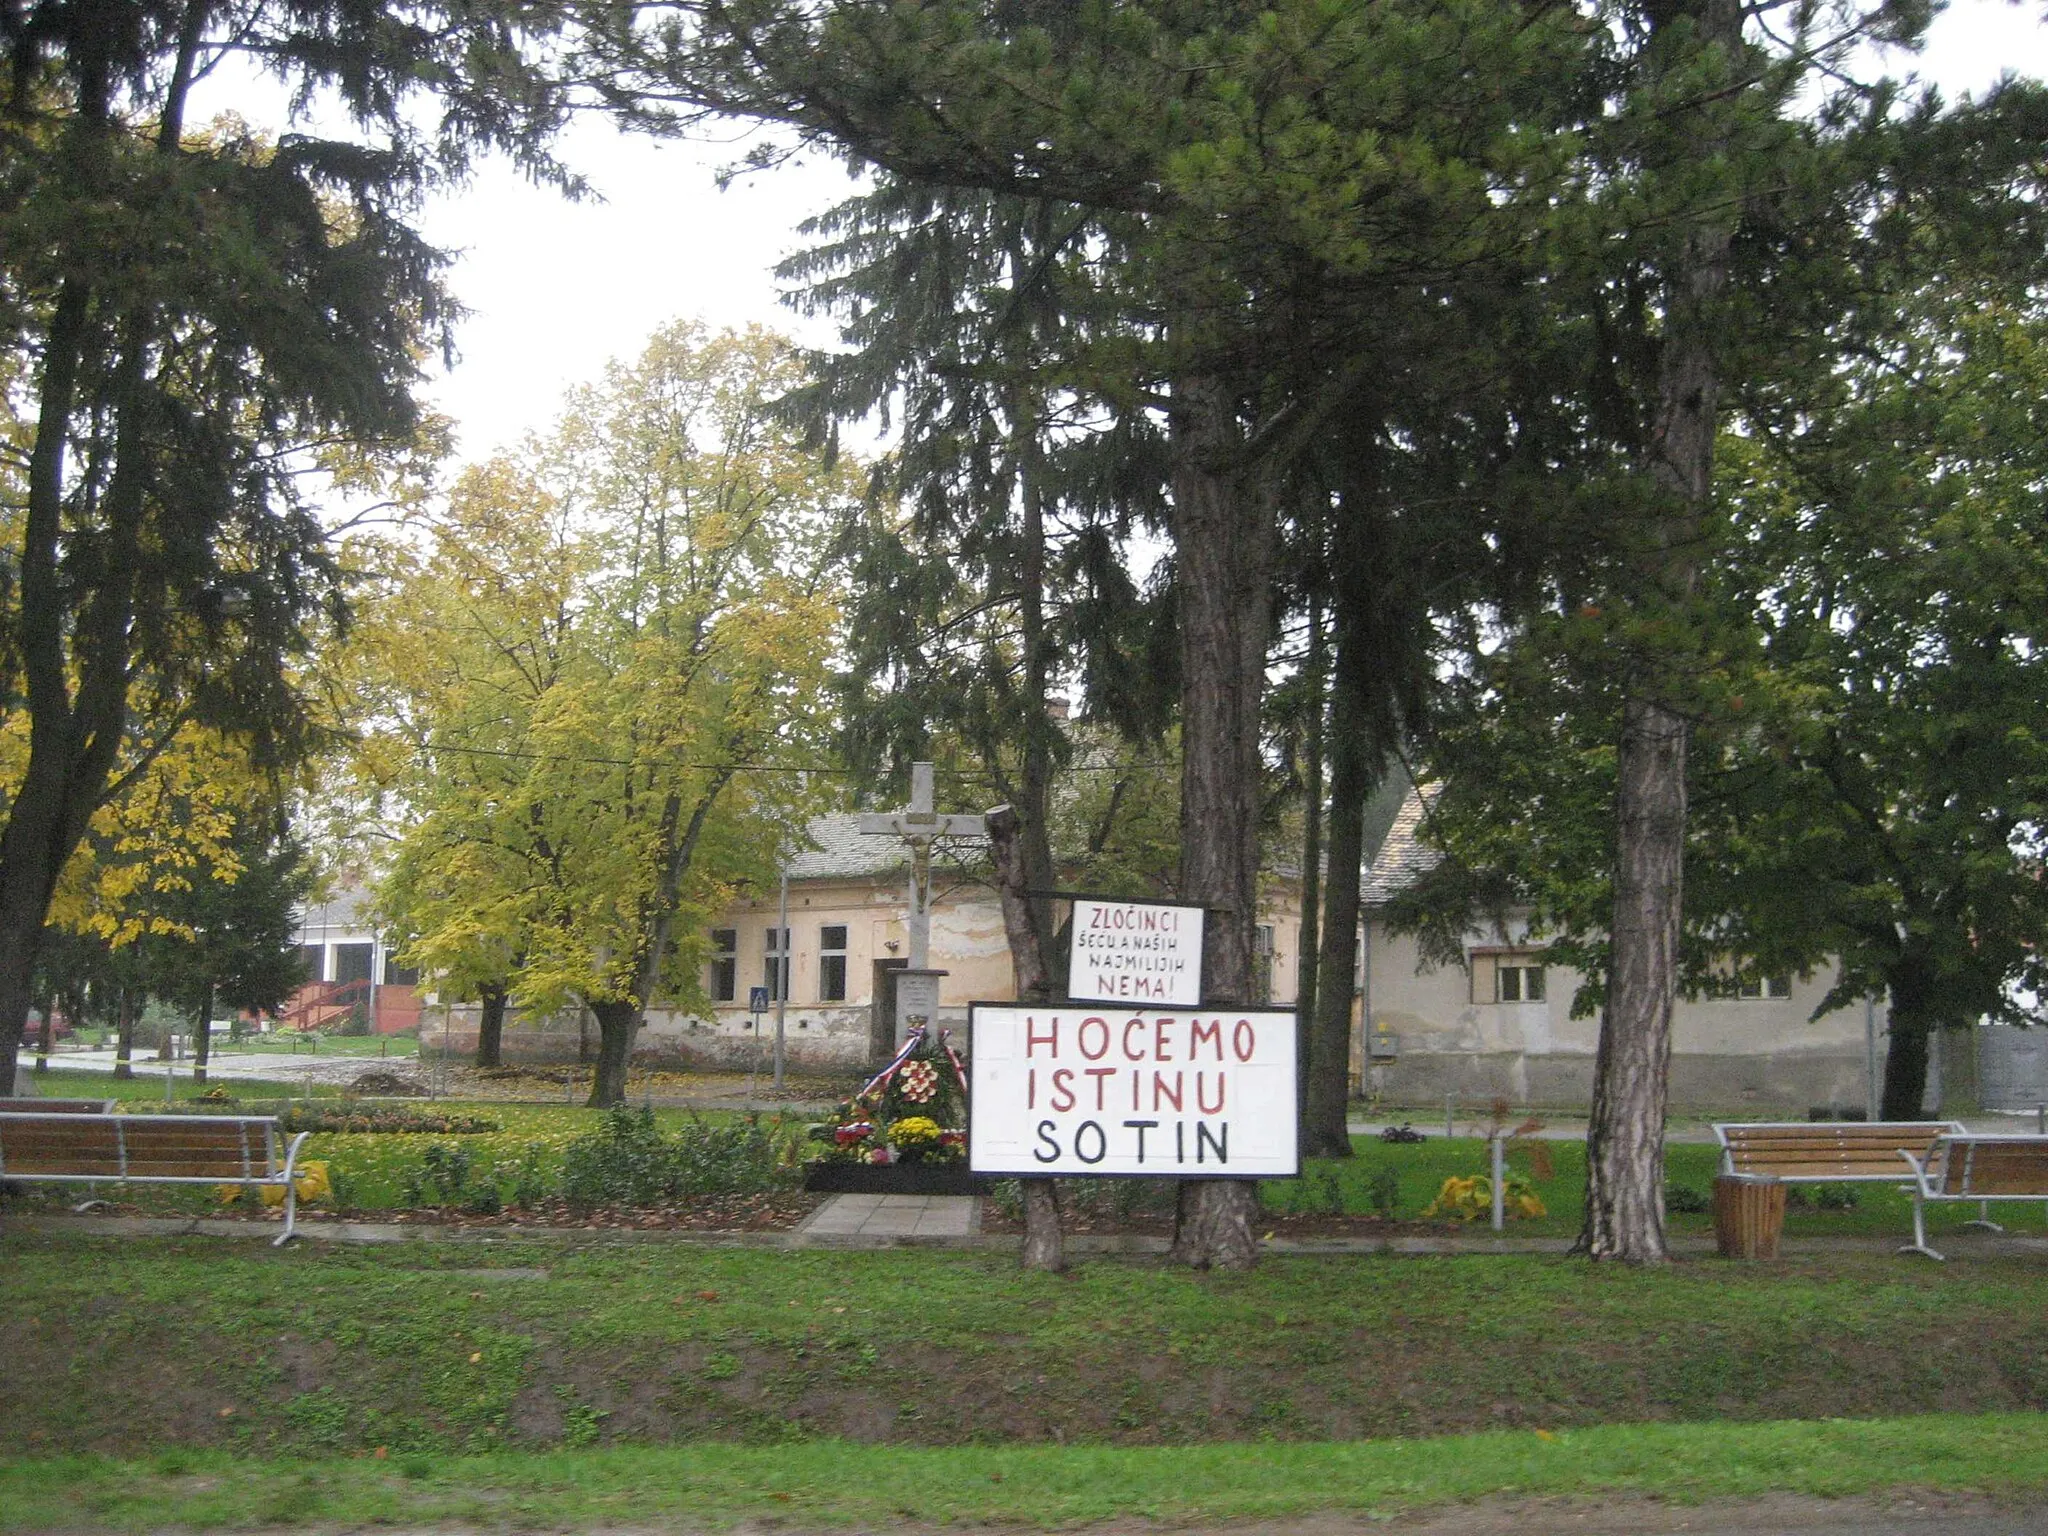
(612, 711)
(195, 306)
(1271, 175)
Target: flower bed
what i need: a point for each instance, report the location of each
(913, 1113)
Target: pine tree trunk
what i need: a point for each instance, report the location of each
(1625, 1135)
(1329, 1062)
(1307, 947)
(617, 1025)
(1043, 1241)
(490, 1028)
(124, 1036)
(202, 1036)
(1631, 1069)
(1223, 538)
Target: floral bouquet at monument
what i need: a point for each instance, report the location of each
(912, 1111)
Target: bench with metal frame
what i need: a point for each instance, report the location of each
(57, 1106)
(66, 1148)
(1827, 1152)
(1967, 1167)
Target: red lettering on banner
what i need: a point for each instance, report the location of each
(1063, 1088)
(1212, 1031)
(1244, 1040)
(1159, 1041)
(1100, 1074)
(1202, 1099)
(1173, 1095)
(1031, 1088)
(1081, 1039)
(1033, 1039)
(1139, 1053)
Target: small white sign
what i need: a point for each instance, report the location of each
(1139, 953)
(1067, 1092)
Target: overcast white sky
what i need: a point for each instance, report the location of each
(556, 289)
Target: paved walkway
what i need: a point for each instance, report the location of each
(934, 1216)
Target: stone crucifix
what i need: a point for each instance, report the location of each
(917, 826)
(917, 986)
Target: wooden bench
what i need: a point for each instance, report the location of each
(1827, 1152)
(64, 1148)
(1967, 1167)
(56, 1106)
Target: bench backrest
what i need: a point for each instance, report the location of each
(1973, 1167)
(1829, 1150)
(56, 1106)
(206, 1147)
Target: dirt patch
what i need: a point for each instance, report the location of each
(996, 1218)
(387, 1085)
(776, 1211)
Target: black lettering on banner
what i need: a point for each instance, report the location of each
(1101, 1141)
(1217, 1140)
(1049, 1152)
(1141, 1127)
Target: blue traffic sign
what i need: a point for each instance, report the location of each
(757, 999)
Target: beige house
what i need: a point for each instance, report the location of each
(846, 943)
(1500, 1024)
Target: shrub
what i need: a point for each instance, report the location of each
(1383, 1189)
(448, 1175)
(1683, 1201)
(628, 1161)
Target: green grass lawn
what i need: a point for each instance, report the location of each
(125, 1347)
(836, 1484)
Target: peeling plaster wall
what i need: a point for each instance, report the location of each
(1726, 1053)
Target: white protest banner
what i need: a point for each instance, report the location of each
(1135, 952)
(1066, 1091)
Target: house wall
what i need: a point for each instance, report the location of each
(968, 942)
(1727, 1054)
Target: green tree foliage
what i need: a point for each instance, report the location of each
(229, 938)
(1894, 785)
(615, 641)
(181, 311)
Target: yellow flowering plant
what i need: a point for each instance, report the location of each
(1470, 1198)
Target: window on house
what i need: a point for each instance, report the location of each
(775, 964)
(1765, 988)
(396, 975)
(1507, 976)
(832, 963)
(314, 958)
(725, 964)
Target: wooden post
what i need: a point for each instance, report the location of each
(1749, 1215)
